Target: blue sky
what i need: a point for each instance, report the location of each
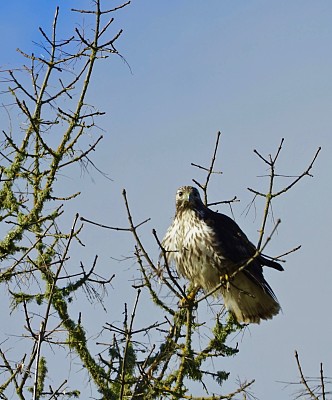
(255, 70)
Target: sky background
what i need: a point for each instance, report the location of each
(258, 71)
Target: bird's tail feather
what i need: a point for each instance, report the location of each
(249, 302)
(270, 263)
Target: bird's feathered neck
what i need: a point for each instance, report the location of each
(197, 209)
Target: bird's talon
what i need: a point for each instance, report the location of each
(189, 299)
(225, 281)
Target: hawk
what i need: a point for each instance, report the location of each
(208, 247)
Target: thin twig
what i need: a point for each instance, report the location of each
(209, 170)
(174, 281)
(322, 382)
(115, 228)
(39, 343)
(233, 200)
(128, 340)
(303, 379)
(305, 173)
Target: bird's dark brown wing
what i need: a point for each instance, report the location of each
(233, 243)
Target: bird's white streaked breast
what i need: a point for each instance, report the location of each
(189, 245)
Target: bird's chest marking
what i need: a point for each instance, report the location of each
(191, 244)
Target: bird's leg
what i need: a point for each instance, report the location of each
(189, 299)
(192, 294)
(225, 281)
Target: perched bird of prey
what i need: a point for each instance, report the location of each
(208, 247)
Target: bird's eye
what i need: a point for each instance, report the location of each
(180, 194)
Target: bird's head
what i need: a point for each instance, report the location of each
(188, 197)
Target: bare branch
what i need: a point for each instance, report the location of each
(305, 173)
(303, 379)
(39, 343)
(115, 228)
(210, 170)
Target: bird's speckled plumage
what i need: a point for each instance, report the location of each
(206, 245)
